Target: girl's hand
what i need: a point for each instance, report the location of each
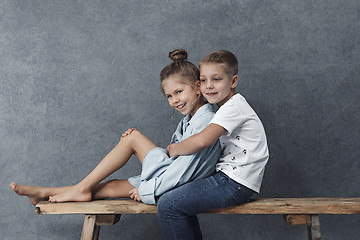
(171, 150)
(134, 195)
(127, 132)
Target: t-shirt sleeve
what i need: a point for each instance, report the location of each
(229, 117)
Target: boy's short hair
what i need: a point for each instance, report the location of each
(224, 57)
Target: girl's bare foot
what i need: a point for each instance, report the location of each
(73, 194)
(34, 193)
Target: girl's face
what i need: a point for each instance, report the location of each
(181, 95)
(216, 85)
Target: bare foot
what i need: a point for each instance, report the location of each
(73, 194)
(34, 193)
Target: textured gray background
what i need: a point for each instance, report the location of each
(76, 74)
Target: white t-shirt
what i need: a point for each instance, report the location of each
(244, 146)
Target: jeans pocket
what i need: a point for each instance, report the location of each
(239, 193)
(230, 195)
(241, 196)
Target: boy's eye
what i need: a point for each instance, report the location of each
(217, 79)
(168, 96)
(178, 92)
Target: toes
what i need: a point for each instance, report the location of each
(54, 199)
(14, 186)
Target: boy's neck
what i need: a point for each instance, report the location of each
(232, 93)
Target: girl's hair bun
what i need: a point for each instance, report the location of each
(178, 55)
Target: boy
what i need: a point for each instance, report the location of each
(241, 166)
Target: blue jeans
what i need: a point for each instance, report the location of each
(177, 208)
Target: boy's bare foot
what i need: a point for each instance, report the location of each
(73, 194)
(34, 193)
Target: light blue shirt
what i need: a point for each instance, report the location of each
(161, 173)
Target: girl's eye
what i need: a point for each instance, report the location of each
(178, 92)
(202, 80)
(168, 96)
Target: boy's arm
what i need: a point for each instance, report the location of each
(196, 142)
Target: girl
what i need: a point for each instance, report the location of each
(160, 173)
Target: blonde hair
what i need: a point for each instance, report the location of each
(180, 65)
(223, 57)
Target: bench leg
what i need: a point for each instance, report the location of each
(92, 223)
(311, 221)
(314, 229)
(90, 230)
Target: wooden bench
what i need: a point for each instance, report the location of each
(296, 211)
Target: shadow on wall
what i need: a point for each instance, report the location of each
(308, 132)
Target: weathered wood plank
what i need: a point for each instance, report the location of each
(90, 231)
(296, 206)
(107, 219)
(314, 232)
(259, 206)
(96, 207)
(298, 219)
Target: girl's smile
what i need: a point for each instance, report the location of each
(181, 106)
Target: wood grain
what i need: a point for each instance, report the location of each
(298, 219)
(258, 206)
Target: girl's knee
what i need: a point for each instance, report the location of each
(135, 132)
(133, 135)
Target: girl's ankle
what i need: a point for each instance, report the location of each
(82, 188)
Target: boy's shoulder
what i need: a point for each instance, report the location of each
(235, 109)
(235, 102)
(237, 98)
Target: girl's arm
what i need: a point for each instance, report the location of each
(196, 142)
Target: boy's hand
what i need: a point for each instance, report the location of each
(172, 150)
(134, 195)
(127, 132)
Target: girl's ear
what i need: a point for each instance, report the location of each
(197, 85)
(235, 80)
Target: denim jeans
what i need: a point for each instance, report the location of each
(177, 208)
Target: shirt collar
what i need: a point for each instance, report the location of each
(202, 110)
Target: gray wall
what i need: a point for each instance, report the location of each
(76, 74)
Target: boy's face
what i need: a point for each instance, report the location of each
(216, 85)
